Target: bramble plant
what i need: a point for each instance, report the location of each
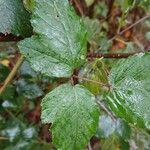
(58, 48)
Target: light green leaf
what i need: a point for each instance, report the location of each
(14, 18)
(74, 115)
(29, 4)
(147, 35)
(89, 2)
(93, 30)
(109, 127)
(60, 43)
(130, 92)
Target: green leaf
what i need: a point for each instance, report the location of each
(109, 127)
(19, 134)
(147, 35)
(130, 91)
(60, 44)
(28, 90)
(100, 9)
(29, 4)
(4, 72)
(89, 2)
(95, 71)
(93, 30)
(27, 71)
(144, 4)
(74, 115)
(126, 5)
(14, 18)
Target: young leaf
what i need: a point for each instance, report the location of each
(60, 43)
(130, 93)
(14, 18)
(74, 115)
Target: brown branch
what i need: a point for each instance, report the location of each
(78, 7)
(11, 75)
(91, 56)
(129, 27)
(3, 138)
(9, 37)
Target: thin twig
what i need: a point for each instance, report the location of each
(86, 79)
(12, 74)
(102, 106)
(78, 7)
(128, 28)
(110, 55)
(9, 37)
(3, 138)
(89, 146)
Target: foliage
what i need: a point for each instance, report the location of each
(82, 96)
(14, 18)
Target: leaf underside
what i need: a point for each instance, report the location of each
(74, 114)
(14, 18)
(60, 44)
(130, 94)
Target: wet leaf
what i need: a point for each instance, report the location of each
(93, 29)
(96, 72)
(74, 115)
(14, 18)
(60, 44)
(129, 96)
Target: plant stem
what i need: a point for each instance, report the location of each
(12, 74)
(102, 106)
(110, 55)
(86, 79)
(3, 138)
(78, 6)
(9, 38)
(131, 26)
(89, 146)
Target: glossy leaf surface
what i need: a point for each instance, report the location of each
(14, 18)
(60, 43)
(130, 93)
(74, 115)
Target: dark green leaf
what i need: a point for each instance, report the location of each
(14, 18)
(27, 71)
(93, 30)
(60, 43)
(29, 4)
(4, 71)
(19, 134)
(9, 93)
(130, 89)
(29, 90)
(74, 115)
(100, 9)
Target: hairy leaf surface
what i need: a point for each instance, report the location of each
(130, 94)
(14, 18)
(74, 115)
(60, 43)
